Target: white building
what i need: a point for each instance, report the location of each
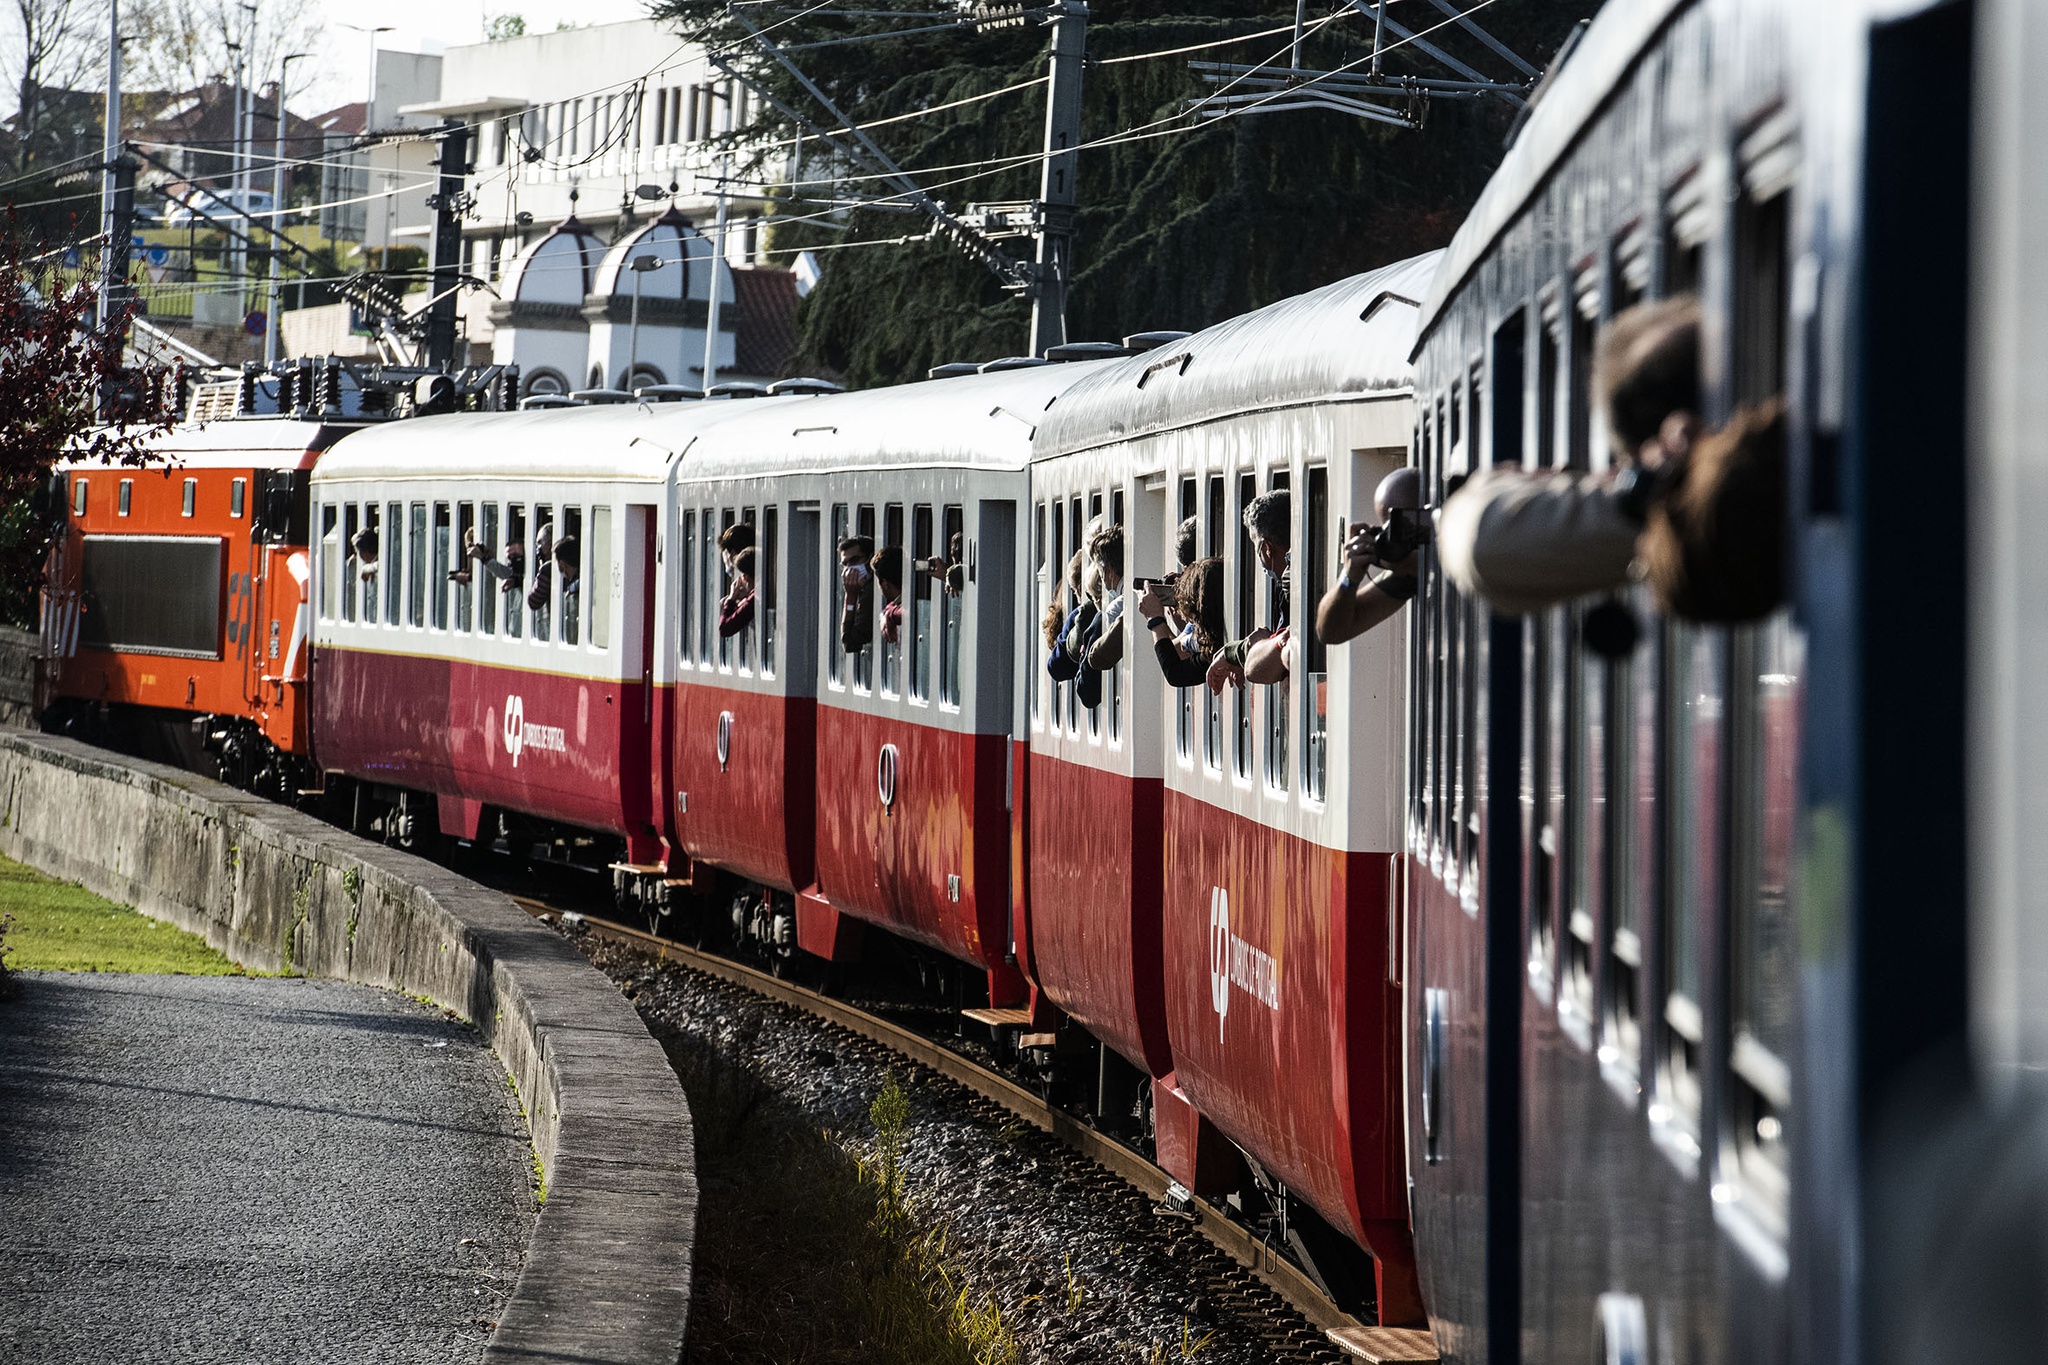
(588, 150)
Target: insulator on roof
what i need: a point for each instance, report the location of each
(1147, 341)
(1085, 350)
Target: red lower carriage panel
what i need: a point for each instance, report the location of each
(744, 768)
(898, 810)
(1284, 1023)
(559, 748)
(1095, 948)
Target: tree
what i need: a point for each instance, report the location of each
(58, 46)
(1182, 223)
(60, 375)
(499, 27)
(183, 45)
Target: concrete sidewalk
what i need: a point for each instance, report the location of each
(248, 1169)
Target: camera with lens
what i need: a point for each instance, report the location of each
(1405, 531)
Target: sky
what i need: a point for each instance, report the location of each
(430, 26)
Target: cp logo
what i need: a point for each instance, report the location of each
(1219, 955)
(515, 726)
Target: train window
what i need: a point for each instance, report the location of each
(416, 566)
(766, 580)
(1547, 378)
(1212, 705)
(1699, 662)
(465, 569)
(238, 497)
(1184, 697)
(1761, 298)
(190, 501)
(601, 577)
(1579, 411)
(1586, 827)
(864, 658)
(1057, 580)
(1763, 977)
(919, 584)
(345, 578)
(569, 568)
(1077, 544)
(889, 623)
(1631, 272)
(541, 567)
(513, 588)
(1276, 695)
(686, 644)
(1114, 597)
(366, 550)
(1044, 588)
(707, 590)
(393, 547)
(330, 560)
(835, 648)
(1439, 656)
(125, 499)
(1638, 688)
(78, 493)
(1314, 539)
(1242, 621)
(437, 581)
(954, 591)
(724, 645)
(488, 591)
(748, 637)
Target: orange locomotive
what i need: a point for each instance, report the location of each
(174, 607)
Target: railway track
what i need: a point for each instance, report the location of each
(1251, 1255)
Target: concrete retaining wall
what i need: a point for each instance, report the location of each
(607, 1278)
(17, 678)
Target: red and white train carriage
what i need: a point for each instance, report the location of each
(1274, 852)
(495, 679)
(871, 787)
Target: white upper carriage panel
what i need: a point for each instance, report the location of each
(935, 469)
(1313, 395)
(440, 536)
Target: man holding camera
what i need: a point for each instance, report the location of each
(1357, 602)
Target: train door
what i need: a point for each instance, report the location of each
(630, 572)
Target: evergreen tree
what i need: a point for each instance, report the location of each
(1181, 224)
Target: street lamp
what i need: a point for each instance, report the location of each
(641, 266)
(284, 71)
(369, 31)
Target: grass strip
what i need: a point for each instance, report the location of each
(51, 926)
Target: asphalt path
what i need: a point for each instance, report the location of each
(233, 1169)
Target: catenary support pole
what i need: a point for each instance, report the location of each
(1056, 191)
(717, 264)
(448, 203)
(277, 192)
(114, 230)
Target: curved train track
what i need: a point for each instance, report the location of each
(1254, 1256)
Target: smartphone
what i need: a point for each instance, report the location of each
(1163, 587)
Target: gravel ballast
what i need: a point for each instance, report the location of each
(1083, 1266)
(203, 1169)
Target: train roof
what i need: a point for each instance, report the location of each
(634, 442)
(1570, 99)
(235, 443)
(1342, 343)
(976, 421)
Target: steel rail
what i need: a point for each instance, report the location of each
(1276, 1273)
